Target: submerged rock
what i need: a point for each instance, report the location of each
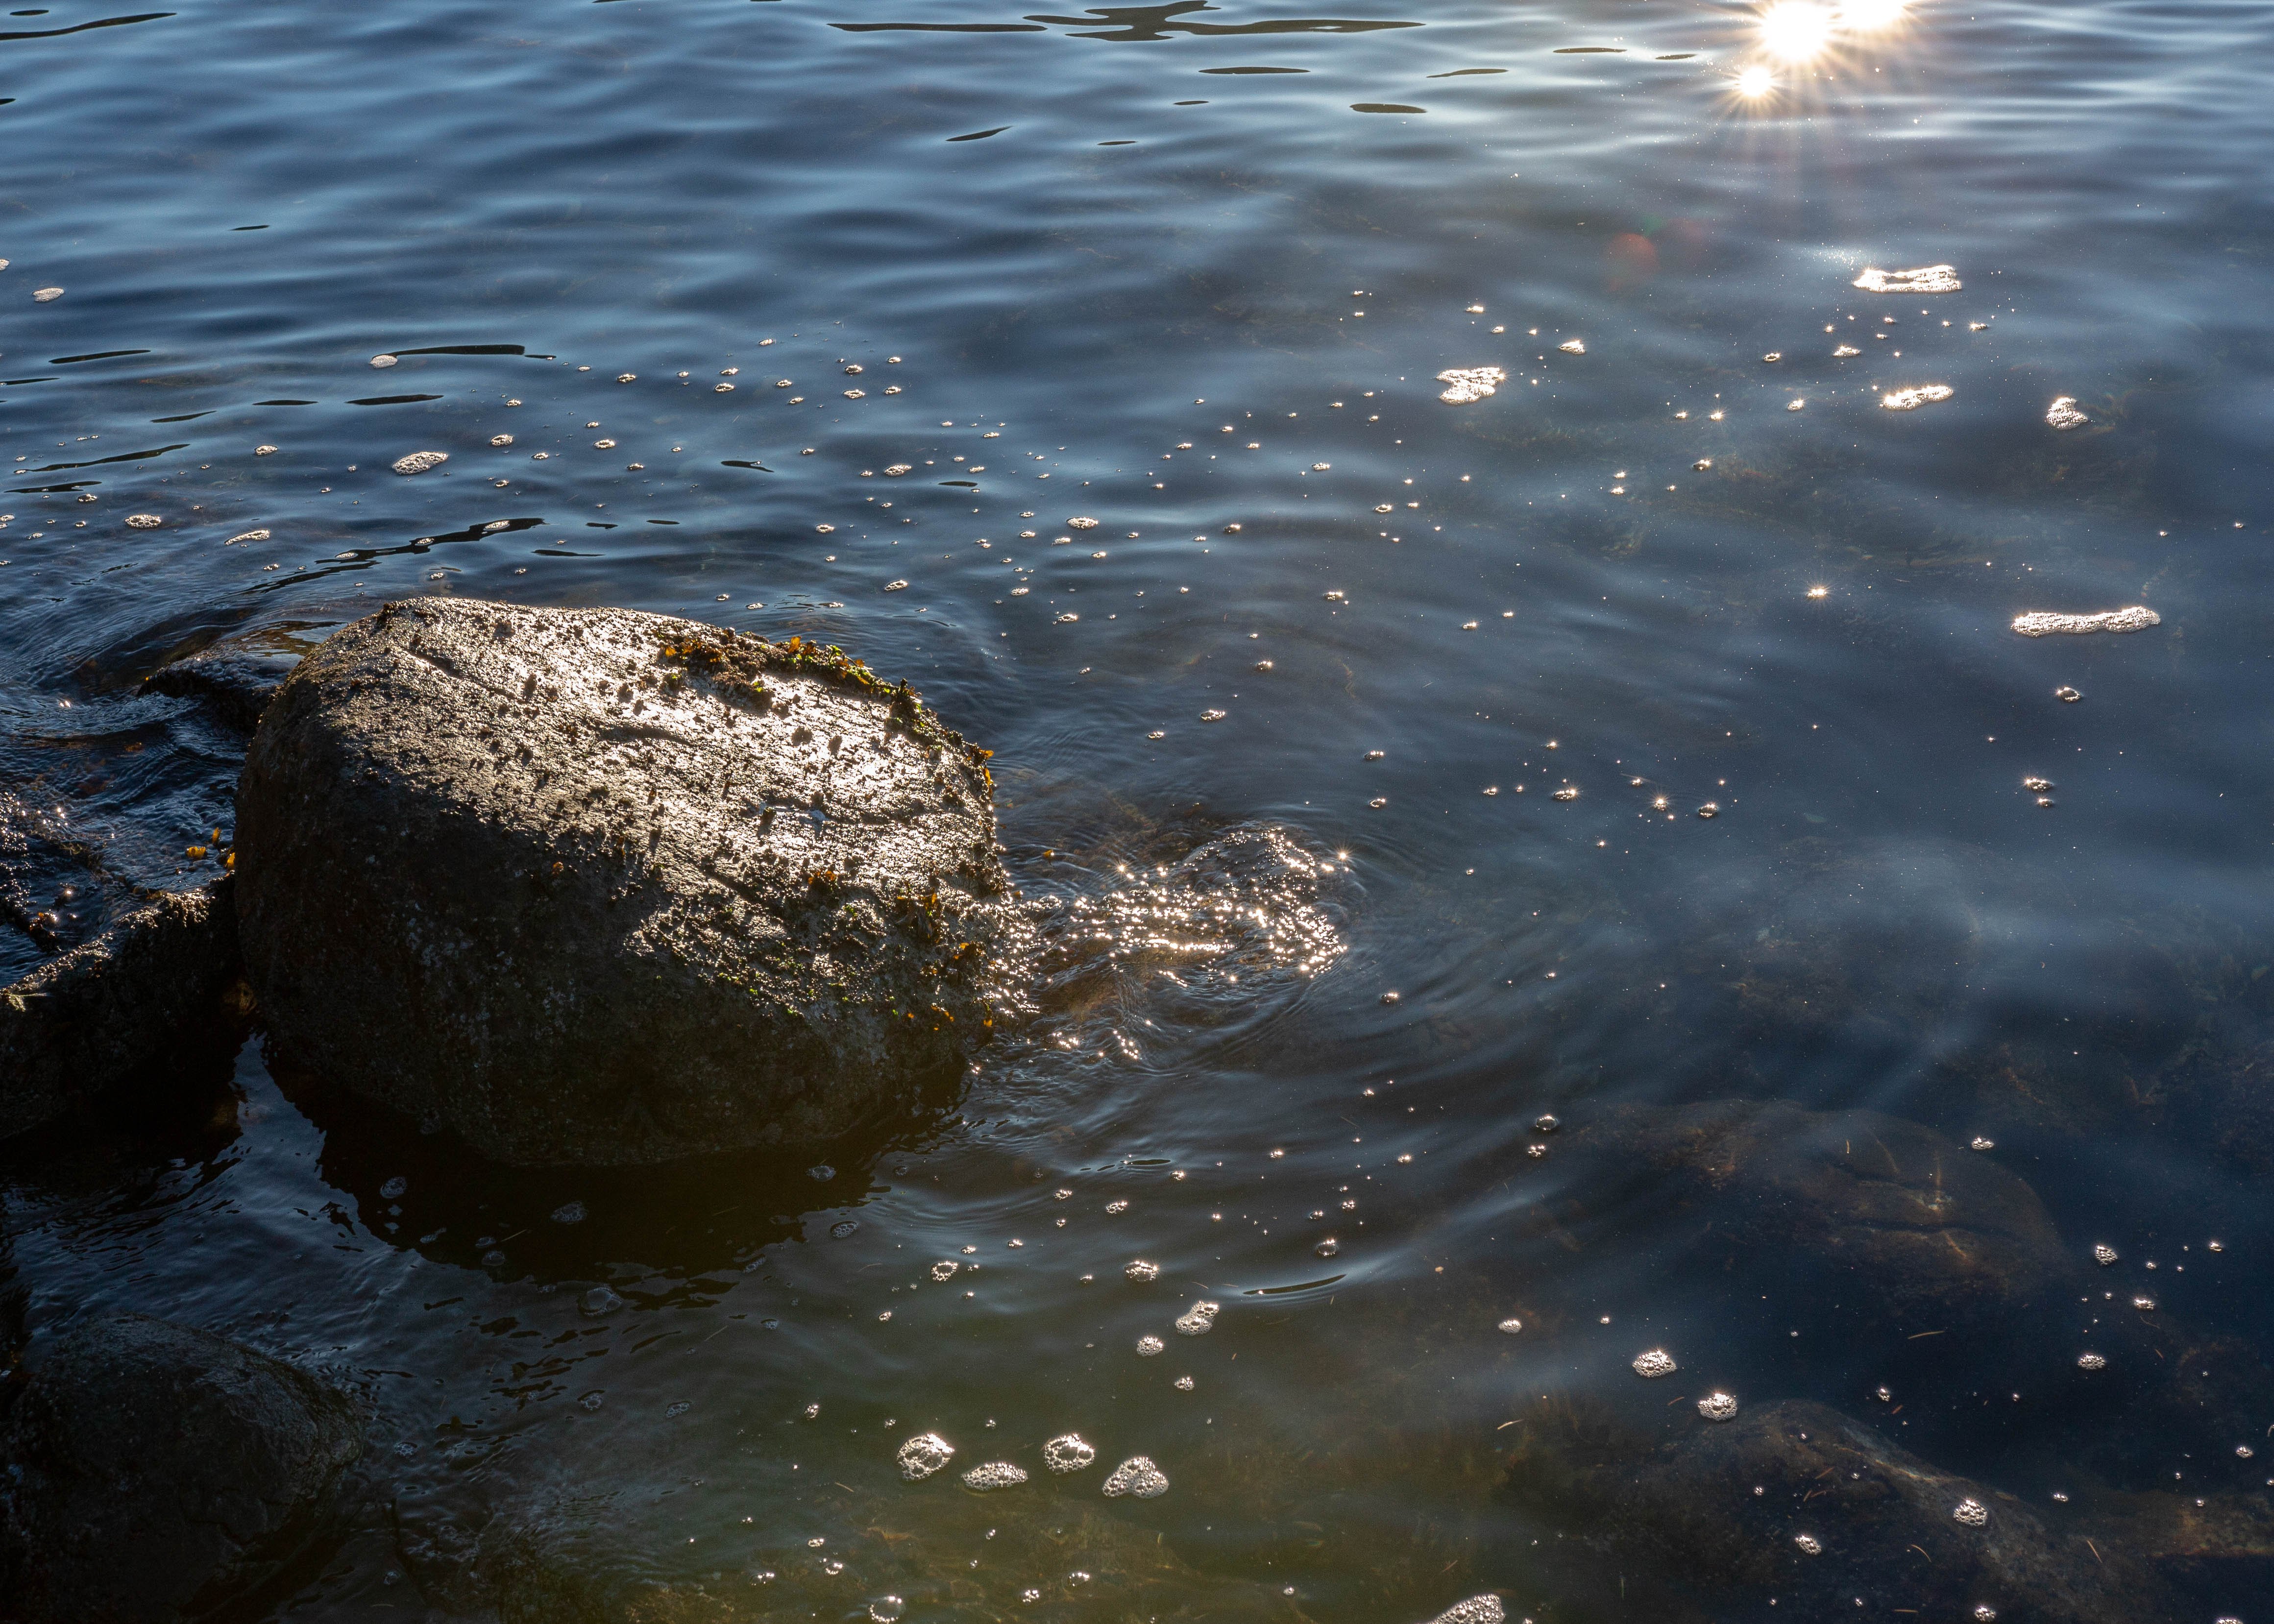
(1927, 1228)
(116, 1005)
(595, 886)
(151, 1472)
(1796, 1500)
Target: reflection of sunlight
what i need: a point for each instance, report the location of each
(1755, 81)
(1797, 29)
(1869, 16)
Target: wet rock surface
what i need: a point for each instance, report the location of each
(152, 1472)
(236, 680)
(115, 1006)
(599, 887)
(1734, 1509)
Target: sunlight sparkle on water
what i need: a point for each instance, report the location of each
(1794, 30)
(1755, 81)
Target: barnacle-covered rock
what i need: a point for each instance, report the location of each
(595, 886)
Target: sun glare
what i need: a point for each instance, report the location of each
(1755, 81)
(1796, 30)
(1871, 16)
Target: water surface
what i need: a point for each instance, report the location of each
(1191, 271)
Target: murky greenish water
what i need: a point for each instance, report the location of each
(1284, 733)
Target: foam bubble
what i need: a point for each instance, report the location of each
(1917, 396)
(1147, 1346)
(2063, 414)
(246, 536)
(1465, 386)
(264, 451)
(2043, 623)
(1068, 1452)
(46, 296)
(1142, 1270)
(1197, 1321)
(2104, 1254)
(944, 1269)
(1138, 1476)
(1477, 1609)
(1718, 1407)
(1808, 1545)
(501, 439)
(994, 1474)
(2091, 1362)
(1572, 346)
(420, 461)
(923, 1454)
(1510, 1326)
(1923, 279)
(1654, 1364)
(143, 521)
(1971, 1512)
(383, 361)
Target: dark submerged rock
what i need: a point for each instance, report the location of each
(1685, 1503)
(150, 1472)
(594, 886)
(116, 1006)
(1930, 1233)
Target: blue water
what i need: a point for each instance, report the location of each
(1104, 264)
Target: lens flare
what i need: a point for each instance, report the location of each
(1796, 30)
(1871, 16)
(1755, 81)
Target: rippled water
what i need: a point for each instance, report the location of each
(1652, 728)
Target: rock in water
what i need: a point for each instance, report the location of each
(599, 887)
(148, 1471)
(113, 1006)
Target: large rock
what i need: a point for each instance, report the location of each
(115, 1006)
(149, 1472)
(593, 886)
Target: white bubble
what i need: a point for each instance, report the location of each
(1510, 1326)
(1138, 1476)
(46, 296)
(501, 439)
(1808, 1544)
(420, 461)
(994, 1474)
(1971, 1512)
(1142, 1270)
(1718, 1407)
(264, 451)
(1328, 1247)
(944, 1269)
(570, 1212)
(923, 1454)
(1198, 1320)
(1068, 1452)
(896, 586)
(2044, 623)
(143, 521)
(1465, 386)
(896, 470)
(627, 377)
(1477, 1609)
(1147, 1346)
(1923, 279)
(2091, 1362)
(1572, 346)
(1915, 397)
(1981, 1143)
(1795, 405)
(382, 361)
(246, 536)
(1654, 1364)
(2063, 414)
(1185, 1384)
(1083, 523)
